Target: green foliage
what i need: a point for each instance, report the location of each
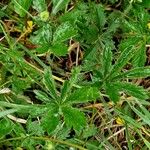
(64, 32)
(72, 73)
(50, 120)
(74, 118)
(49, 83)
(21, 7)
(6, 127)
(84, 94)
(59, 5)
(39, 5)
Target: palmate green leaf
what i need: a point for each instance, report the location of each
(129, 41)
(107, 60)
(133, 90)
(67, 86)
(140, 72)
(49, 83)
(59, 5)
(64, 32)
(113, 92)
(43, 48)
(35, 128)
(59, 49)
(42, 96)
(50, 121)
(6, 127)
(43, 36)
(125, 56)
(65, 91)
(74, 118)
(139, 59)
(21, 6)
(39, 5)
(83, 95)
(100, 16)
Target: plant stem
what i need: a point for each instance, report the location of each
(46, 139)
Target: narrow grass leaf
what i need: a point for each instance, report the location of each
(144, 117)
(147, 143)
(3, 113)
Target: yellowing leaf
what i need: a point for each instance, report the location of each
(120, 121)
(44, 15)
(29, 26)
(148, 25)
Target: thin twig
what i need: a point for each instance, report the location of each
(77, 56)
(115, 134)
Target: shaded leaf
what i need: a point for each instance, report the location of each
(43, 48)
(112, 92)
(59, 49)
(146, 3)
